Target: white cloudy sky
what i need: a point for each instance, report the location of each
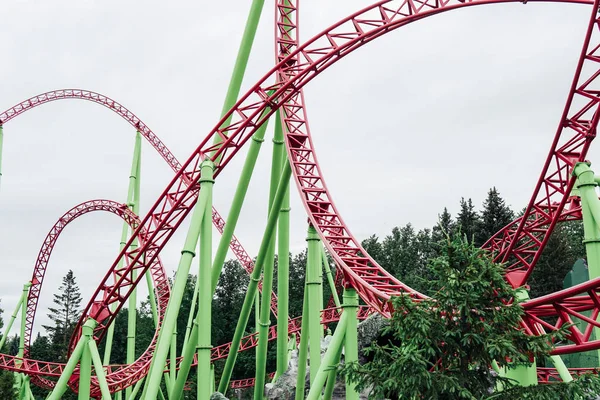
(440, 109)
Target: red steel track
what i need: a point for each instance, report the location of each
(520, 244)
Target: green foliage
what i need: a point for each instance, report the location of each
(467, 219)
(64, 314)
(495, 216)
(443, 348)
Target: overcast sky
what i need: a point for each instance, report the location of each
(443, 108)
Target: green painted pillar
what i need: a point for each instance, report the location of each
(203, 339)
(22, 301)
(314, 309)
(351, 339)
(93, 349)
(267, 288)
(283, 284)
(85, 364)
(254, 279)
(330, 279)
(590, 209)
(335, 345)
(303, 348)
(163, 344)
(525, 375)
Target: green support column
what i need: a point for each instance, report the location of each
(254, 278)
(98, 367)
(203, 339)
(77, 354)
(330, 279)
(314, 309)
(335, 345)
(19, 307)
(163, 345)
(351, 339)
(265, 310)
(525, 375)
(332, 375)
(303, 348)
(192, 315)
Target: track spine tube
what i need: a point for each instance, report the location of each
(161, 351)
(203, 339)
(254, 279)
(283, 270)
(351, 339)
(265, 311)
(313, 287)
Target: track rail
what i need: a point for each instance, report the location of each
(79, 94)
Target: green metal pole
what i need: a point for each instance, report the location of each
(351, 340)
(152, 298)
(330, 280)
(99, 369)
(257, 315)
(18, 307)
(185, 365)
(303, 349)
(267, 288)
(134, 197)
(61, 384)
(314, 310)
(590, 209)
(283, 269)
(136, 389)
(561, 368)
(85, 363)
(331, 377)
(170, 378)
(254, 278)
(170, 320)
(203, 339)
(192, 315)
(241, 61)
(336, 343)
(236, 204)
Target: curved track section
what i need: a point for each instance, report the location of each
(87, 95)
(373, 283)
(116, 376)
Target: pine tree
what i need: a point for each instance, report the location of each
(467, 219)
(495, 216)
(444, 227)
(65, 315)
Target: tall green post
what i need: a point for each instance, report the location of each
(205, 290)
(351, 339)
(313, 288)
(330, 279)
(303, 348)
(265, 310)
(254, 279)
(163, 344)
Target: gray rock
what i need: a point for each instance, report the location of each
(217, 396)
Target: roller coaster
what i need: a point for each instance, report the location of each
(565, 191)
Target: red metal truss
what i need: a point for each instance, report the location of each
(250, 112)
(521, 244)
(79, 94)
(550, 375)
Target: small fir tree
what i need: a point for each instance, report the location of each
(444, 347)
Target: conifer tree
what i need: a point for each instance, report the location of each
(467, 219)
(64, 314)
(494, 216)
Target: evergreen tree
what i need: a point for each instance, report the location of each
(467, 219)
(444, 227)
(443, 347)
(495, 216)
(374, 248)
(64, 314)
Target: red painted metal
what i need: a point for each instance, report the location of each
(550, 375)
(295, 70)
(80, 94)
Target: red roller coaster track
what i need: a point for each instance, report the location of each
(520, 243)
